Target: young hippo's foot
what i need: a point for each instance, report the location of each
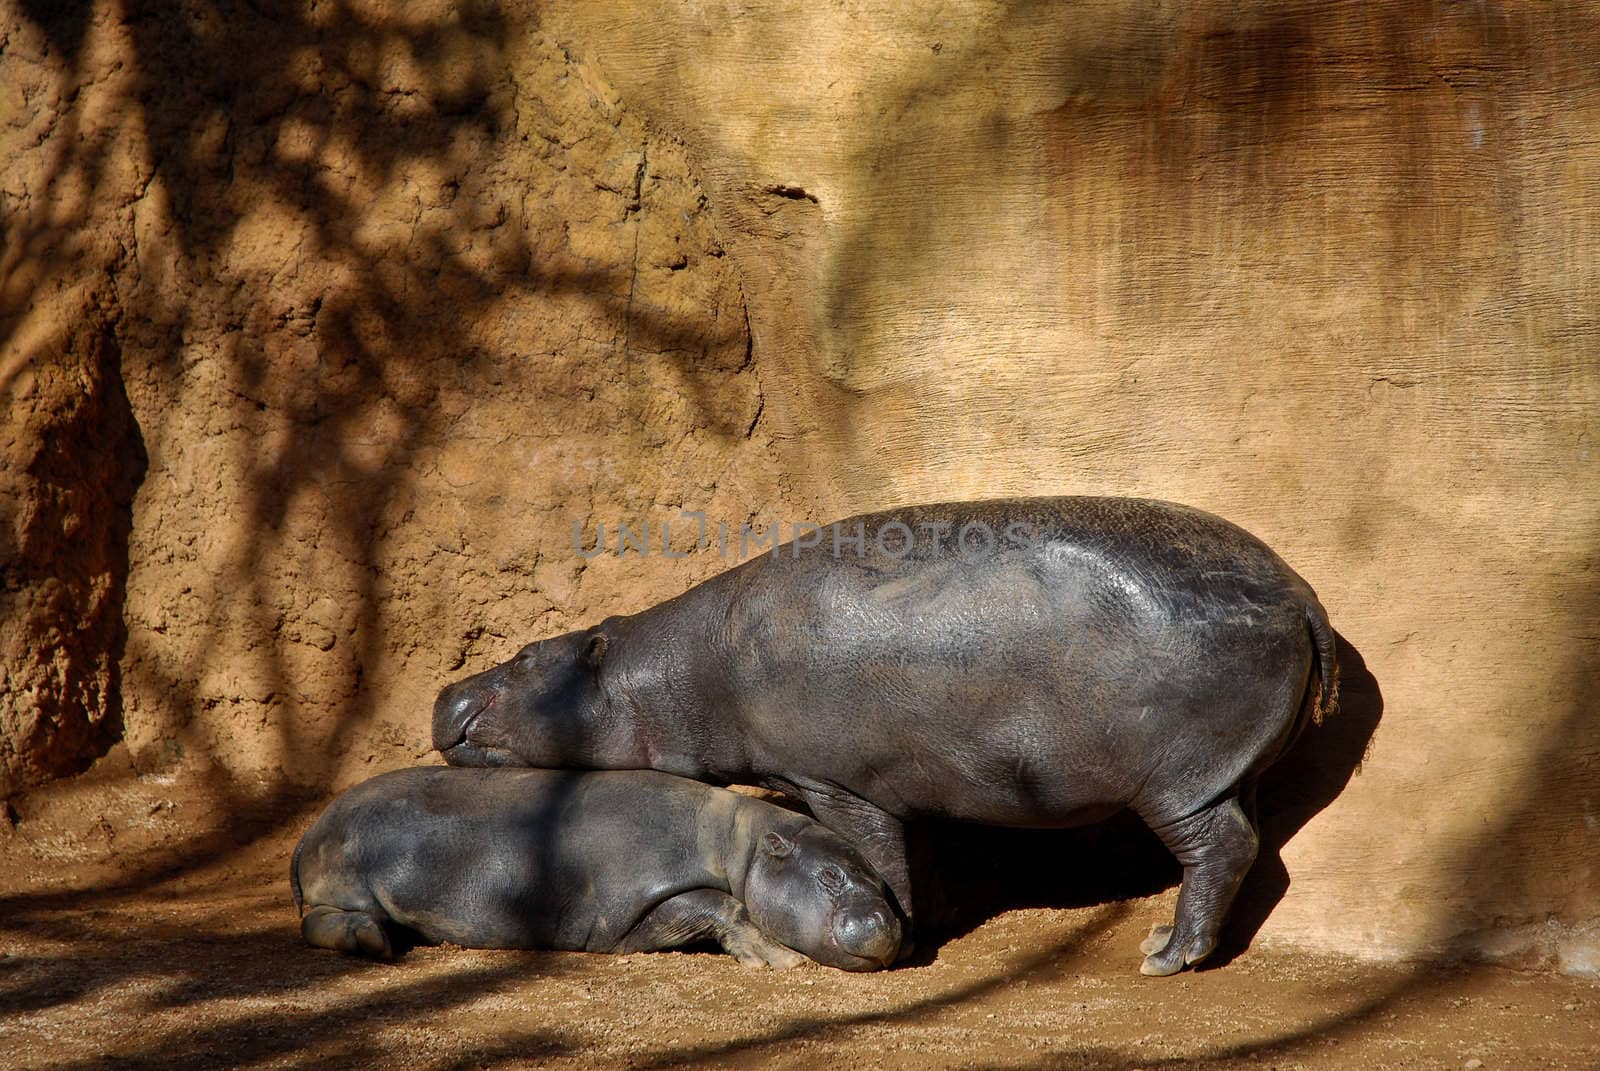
(752, 949)
(358, 933)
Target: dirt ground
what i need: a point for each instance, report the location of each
(139, 928)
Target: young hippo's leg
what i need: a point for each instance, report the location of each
(360, 933)
(878, 836)
(1216, 847)
(708, 915)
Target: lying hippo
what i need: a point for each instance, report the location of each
(1035, 662)
(591, 862)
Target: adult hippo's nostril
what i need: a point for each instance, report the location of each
(873, 936)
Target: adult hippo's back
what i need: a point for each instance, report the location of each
(1033, 662)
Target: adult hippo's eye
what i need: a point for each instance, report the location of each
(831, 878)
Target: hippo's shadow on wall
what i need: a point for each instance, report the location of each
(964, 874)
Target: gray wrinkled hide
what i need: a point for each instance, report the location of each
(599, 862)
(1128, 653)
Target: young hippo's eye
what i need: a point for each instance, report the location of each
(831, 878)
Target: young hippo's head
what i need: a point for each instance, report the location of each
(542, 708)
(812, 892)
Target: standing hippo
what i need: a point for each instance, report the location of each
(590, 862)
(1036, 662)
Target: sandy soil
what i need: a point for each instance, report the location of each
(137, 929)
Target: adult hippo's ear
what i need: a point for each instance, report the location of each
(776, 845)
(595, 651)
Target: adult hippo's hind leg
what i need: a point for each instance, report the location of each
(708, 915)
(359, 933)
(1216, 846)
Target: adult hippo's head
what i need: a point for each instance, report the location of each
(812, 892)
(544, 708)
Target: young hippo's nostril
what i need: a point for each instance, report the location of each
(871, 936)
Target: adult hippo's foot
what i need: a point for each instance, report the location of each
(708, 915)
(1160, 935)
(1216, 846)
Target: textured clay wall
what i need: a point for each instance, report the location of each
(1331, 270)
(399, 293)
(376, 300)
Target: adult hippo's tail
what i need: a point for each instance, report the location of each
(1325, 696)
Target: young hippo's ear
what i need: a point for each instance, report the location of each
(776, 845)
(594, 652)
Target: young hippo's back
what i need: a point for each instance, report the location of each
(597, 862)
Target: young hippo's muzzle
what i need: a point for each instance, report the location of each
(815, 894)
(870, 939)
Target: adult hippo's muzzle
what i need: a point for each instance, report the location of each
(538, 709)
(455, 711)
(463, 726)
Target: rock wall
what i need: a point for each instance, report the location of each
(398, 293)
